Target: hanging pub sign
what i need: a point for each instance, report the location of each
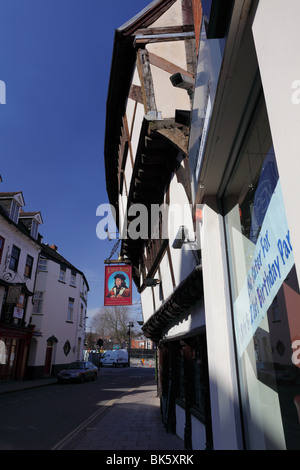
(118, 285)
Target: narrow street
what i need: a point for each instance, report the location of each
(43, 418)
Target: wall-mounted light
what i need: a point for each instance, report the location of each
(150, 282)
(180, 80)
(181, 238)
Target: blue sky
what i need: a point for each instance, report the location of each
(55, 58)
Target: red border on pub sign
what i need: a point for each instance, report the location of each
(118, 285)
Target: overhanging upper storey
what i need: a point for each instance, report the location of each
(160, 144)
(152, 76)
(185, 296)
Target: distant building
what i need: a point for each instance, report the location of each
(19, 254)
(59, 314)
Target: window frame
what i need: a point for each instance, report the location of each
(28, 267)
(62, 274)
(16, 259)
(38, 302)
(73, 279)
(42, 261)
(14, 211)
(71, 304)
(2, 242)
(34, 229)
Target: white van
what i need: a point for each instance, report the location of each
(114, 358)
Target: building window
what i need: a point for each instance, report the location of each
(1, 247)
(70, 309)
(81, 315)
(42, 266)
(62, 274)
(14, 211)
(14, 258)
(34, 229)
(73, 279)
(38, 302)
(264, 289)
(28, 266)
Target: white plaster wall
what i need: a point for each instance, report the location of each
(12, 237)
(183, 260)
(193, 319)
(198, 434)
(135, 114)
(147, 304)
(167, 283)
(139, 116)
(220, 348)
(180, 421)
(173, 51)
(172, 17)
(53, 320)
(127, 173)
(169, 98)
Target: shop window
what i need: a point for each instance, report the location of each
(265, 293)
(201, 387)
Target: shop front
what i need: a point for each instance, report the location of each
(184, 390)
(15, 335)
(14, 342)
(264, 293)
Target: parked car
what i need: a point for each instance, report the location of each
(78, 371)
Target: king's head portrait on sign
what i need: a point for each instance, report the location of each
(118, 285)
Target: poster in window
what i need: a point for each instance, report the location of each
(118, 285)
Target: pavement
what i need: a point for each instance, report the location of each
(131, 422)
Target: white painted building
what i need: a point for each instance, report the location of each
(222, 153)
(19, 253)
(59, 314)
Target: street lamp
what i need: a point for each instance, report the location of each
(130, 325)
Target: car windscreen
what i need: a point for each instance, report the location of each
(76, 365)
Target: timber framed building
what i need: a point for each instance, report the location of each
(202, 119)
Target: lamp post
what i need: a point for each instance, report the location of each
(130, 325)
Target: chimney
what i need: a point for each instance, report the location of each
(54, 247)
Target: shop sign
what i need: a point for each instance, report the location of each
(13, 294)
(118, 285)
(271, 261)
(18, 312)
(12, 332)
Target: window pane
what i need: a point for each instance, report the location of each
(14, 258)
(70, 309)
(42, 266)
(265, 294)
(38, 302)
(34, 229)
(28, 266)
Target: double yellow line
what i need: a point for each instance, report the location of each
(82, 427)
